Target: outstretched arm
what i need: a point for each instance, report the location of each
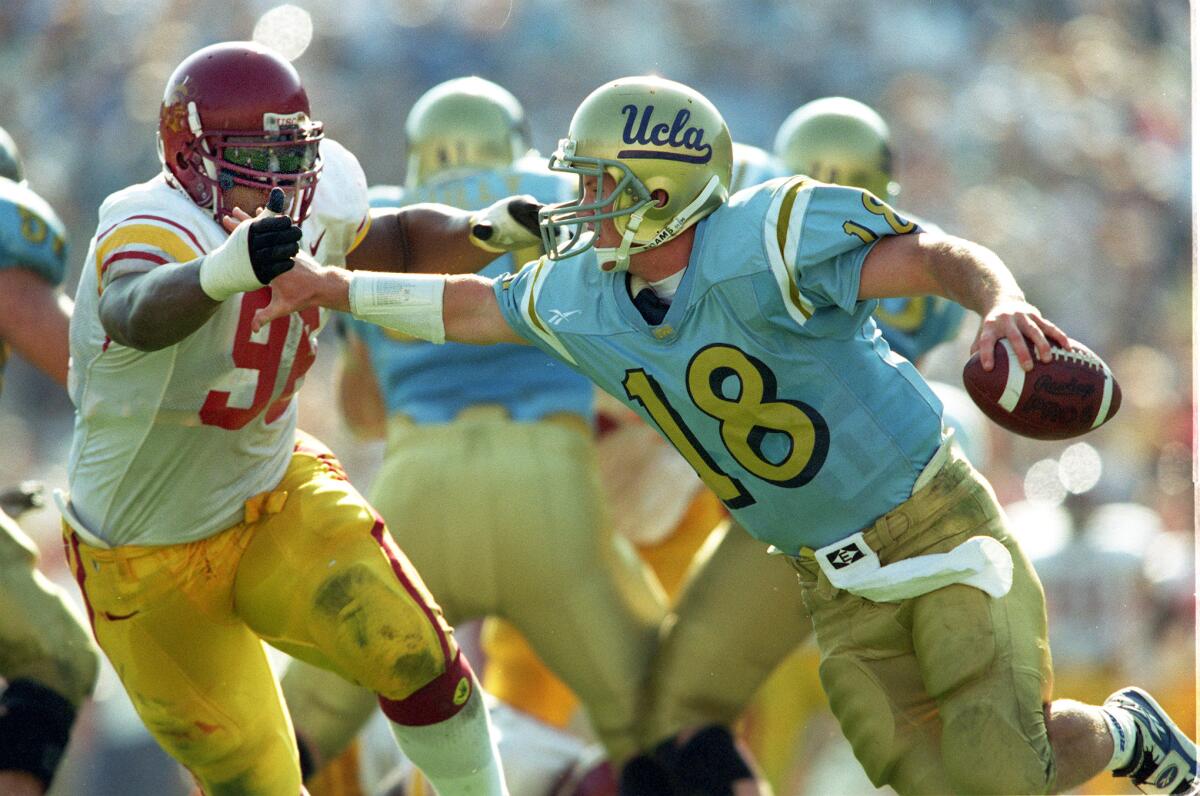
(439, 239)
(972, 275)
(461, 308)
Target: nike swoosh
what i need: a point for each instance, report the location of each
(316, 244)
(118, 617)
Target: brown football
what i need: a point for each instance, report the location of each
(1070, 395)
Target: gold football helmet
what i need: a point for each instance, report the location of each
(465, 123)
(839, 140)
(668, 152)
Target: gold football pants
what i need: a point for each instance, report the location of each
(944, 692)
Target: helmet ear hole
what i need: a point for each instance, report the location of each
(660, 197)
(181, 161)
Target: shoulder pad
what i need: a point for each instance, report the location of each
(31, 234)
(342, 190)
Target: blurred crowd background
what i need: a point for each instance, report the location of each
(1054, 131)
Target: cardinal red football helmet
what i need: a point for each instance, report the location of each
(236, 113)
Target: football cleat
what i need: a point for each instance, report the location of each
(1164, 758)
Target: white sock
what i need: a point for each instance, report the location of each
(1123, 731)
(458, 756)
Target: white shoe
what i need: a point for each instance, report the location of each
(1164, 759)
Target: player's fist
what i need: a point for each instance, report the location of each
(274, 241)
(507, 225)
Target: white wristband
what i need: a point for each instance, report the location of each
(409, 303)
(226, 270)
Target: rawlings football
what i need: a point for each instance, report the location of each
(1070, 395)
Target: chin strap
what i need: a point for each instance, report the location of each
(619, 257)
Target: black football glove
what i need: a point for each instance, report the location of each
(274, 241)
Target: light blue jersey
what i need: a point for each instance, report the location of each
(915, 325)
(767, 373)
(433, 383)
(31, 236)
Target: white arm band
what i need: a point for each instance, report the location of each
(409, 303)
(226, 270)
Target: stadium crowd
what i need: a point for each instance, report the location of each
(1056, 133)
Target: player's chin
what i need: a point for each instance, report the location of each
(249, 198)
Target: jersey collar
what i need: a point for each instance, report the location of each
(666, 331)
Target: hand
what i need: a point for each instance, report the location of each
(26, 496)
(273, 240)
(307, 284)
(1020, 323)
(507, 225)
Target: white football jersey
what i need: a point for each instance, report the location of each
(169, 444)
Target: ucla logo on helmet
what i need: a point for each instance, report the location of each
(676, 135)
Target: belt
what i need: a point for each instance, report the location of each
(400, 423)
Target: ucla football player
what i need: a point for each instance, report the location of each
(46, 654)
(201, 522)
(530, 540)
(753, 165)
(742, 330)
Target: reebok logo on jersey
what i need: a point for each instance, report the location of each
(845, 556)
(558, 316)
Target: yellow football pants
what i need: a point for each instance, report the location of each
(310, 569)
(506, 518)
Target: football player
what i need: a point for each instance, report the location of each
(836, 140)
(516, 425)
(200, 521)
(753, 165)
(742, 330)
(46, 655)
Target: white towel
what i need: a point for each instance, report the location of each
(981, 561)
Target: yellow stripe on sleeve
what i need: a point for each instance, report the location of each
(147, 235)
(781, 236)
(363, 229)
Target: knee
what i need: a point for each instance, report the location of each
(983, 753)
(441, 697)
(389, 646)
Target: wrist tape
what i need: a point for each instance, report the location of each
(226, 270)
(408, 303)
